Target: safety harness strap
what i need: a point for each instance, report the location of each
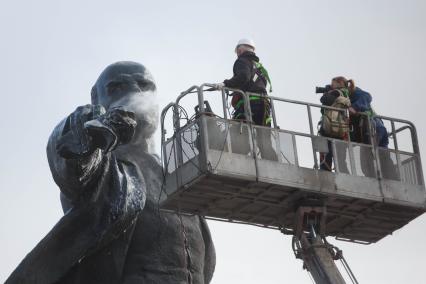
(251, 98)
(264, 72)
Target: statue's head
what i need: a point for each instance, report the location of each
(131, 85)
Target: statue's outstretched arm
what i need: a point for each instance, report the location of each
(79, 146)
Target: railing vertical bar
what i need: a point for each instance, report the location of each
(178, 144)
(249, 118)
(296, 157)
(224, 103)
(398, 158)
(203, 132)
(351, 150)
(335, 158)
(247, 108)
(375, 150)
(277, 144)
(351, 158)
(418, 162)
(274, 117)
(311, 130)
(228, 135)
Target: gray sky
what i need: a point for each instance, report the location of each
(51, 53)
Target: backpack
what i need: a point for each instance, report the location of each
(335, 124)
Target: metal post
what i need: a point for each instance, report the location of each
(178, 144)
(416, 150)
(274, 117)
(311, 130)
(351, 158)
(203, 132)
(350, 149)
(296, 157)
(165, 158)
(247, 108)
(398, 158)
(224, 103)
(334, 151)
(277, 137)
(249, 118)
(375, 151)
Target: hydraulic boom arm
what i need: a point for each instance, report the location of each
(310, 245)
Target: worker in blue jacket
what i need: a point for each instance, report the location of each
(361, 110)
(360, 113)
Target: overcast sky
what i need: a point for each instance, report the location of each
(51, 53)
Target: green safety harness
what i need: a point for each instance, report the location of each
(265, 74)
(344, 92)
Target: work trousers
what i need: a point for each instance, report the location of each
(326, 159)
(260, 116)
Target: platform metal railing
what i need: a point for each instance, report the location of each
(358, 159)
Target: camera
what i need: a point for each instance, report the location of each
(322, 90)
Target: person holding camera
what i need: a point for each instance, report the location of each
(334, 123)
(361, 116)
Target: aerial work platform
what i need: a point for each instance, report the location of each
(236, 171)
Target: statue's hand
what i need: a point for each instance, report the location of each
(115, 127)
(75, 141)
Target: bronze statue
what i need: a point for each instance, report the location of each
(101, 157)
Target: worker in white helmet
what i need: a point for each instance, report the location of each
(251, 77)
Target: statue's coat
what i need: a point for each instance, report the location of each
(113, 230)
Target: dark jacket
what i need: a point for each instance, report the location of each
(328, 98)
(244, 71)
(361, 100)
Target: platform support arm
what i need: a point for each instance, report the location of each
(310, 245)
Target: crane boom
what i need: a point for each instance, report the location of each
(310, 245)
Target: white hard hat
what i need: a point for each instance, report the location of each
(246, 41)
